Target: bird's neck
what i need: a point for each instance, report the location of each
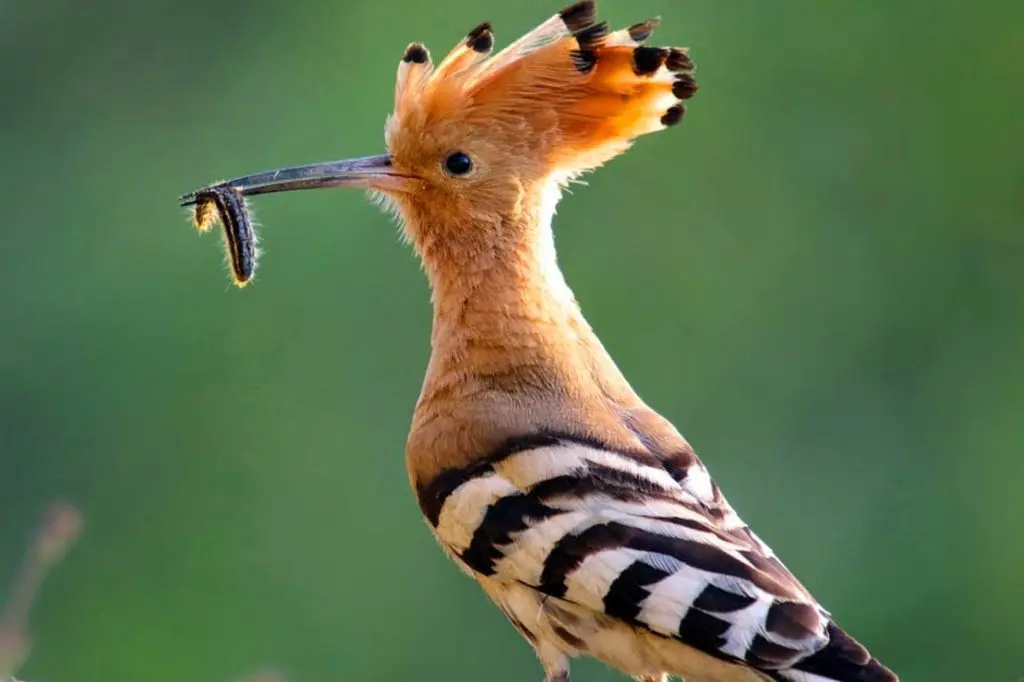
(500, 293)
(511, 352)
(505, 321)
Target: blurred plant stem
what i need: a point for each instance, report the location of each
(62, 524)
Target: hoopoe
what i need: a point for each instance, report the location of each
(583, 513)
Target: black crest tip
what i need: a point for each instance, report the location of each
(416, 53)
(678, 60)
(684, 86)
(592, 36)
(481, 38)
(578, 15)
(640, 32)
(584, 60)
(647, 60)
(673, 116)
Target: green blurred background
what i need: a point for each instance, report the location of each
(817, 277)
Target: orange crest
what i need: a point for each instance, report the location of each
(564, 98)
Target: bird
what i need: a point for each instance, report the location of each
(583, 513)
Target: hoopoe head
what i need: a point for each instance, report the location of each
(484, 133)
(479, 145)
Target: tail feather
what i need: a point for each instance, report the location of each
(843, 659)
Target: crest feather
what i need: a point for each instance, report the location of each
(585, 90)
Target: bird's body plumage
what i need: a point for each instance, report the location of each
(582, 512)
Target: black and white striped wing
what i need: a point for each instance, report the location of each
(618, 533)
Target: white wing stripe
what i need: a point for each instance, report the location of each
(525, 558)
(530, 467)
(610, 532)
(746, 623)
(589, 583)
(670, 599)
(465, 508)
(625, 464)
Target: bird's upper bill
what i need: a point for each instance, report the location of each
(562, 99)
(368, 172)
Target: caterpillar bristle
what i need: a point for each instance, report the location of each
(226, 205)
(204, 213)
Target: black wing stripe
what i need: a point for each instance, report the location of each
(432, 496)
(705, 632)
(505, 517)
(512, 514)
(698, 555)
(766, 654)
(519, 444)
(678, 564)
(572, 549)
(793, 620)
(627, 592)
(513, 446)
(716, 600)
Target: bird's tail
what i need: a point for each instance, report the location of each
(843, 659)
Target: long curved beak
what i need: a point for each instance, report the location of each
(368, 172)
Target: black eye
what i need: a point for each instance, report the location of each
(458, 163)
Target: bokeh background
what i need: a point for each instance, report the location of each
(817, 277)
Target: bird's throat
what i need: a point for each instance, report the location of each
(512, 302)
(505, 321)
(510, 348)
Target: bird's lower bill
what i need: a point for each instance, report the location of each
(368, 172)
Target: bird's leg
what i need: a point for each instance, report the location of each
(557, 675)
(556, 663)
